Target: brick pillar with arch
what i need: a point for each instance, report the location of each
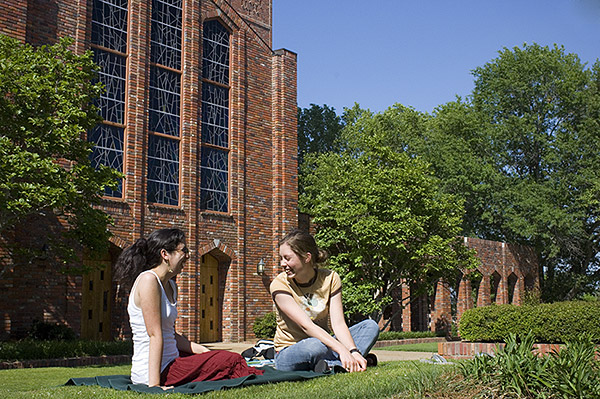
(483, 295)
(442, 316)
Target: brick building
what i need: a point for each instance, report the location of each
(200, 116)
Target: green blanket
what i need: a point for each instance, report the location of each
(123, 382)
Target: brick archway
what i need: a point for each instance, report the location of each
(506, 271)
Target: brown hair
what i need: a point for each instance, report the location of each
(302, 243)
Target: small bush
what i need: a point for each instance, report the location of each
(264, 326)
(553, 323)
(50, 331)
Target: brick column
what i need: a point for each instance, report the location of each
(443, 311)
(190, 306)
(134, 192)
(285, 145)
(406, 316)
(502, 293)
(483, 295)
(519, 289)
(465, 300)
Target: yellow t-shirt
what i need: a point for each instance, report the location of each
(313, 299)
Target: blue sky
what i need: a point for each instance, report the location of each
(418, 53)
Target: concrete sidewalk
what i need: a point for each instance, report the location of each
(382, 355)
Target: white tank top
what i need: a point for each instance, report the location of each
(141, 339)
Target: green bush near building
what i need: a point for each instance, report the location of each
(264, 326)
(558, 322)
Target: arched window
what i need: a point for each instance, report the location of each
(214, 168)
(109, 44)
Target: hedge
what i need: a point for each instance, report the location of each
(33, 349)
(551, 323)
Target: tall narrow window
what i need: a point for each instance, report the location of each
(109, 44)
(214, 182)
(164, 102)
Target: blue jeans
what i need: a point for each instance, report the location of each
(306, 353)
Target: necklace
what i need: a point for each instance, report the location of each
(307, 295)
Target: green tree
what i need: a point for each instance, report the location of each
(45, 110)
(523, 152)
(381, 216)
(540, 106)
(453, 141)
(319, 129)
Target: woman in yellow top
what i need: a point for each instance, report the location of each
(307, 297)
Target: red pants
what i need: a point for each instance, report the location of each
(209, 366)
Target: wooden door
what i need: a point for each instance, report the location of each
(96, 300)
(209, 299)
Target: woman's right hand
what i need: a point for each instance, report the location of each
(164, 388)
(350, 362)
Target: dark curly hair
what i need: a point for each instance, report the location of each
(144, 254)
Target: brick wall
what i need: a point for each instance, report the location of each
(13, 18)
(468, 350)
(507, 270)
(510, 268)
(262, 165)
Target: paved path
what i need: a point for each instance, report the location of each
(382, 355)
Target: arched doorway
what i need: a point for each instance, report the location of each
(209, 299)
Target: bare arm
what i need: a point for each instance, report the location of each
(342, 333)
(290, 308)
(147, 297)
(185, 345)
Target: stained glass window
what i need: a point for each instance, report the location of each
(164, 102)
(109, 31)
(109, 24)
(163, 170)
(215, 114)
(108, 151)
(165, 37)
(215, 53)
(214, 180)
(112, 74)
(214, 167)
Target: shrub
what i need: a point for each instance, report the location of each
(553, 323)
(50, 331)
(34, 349)
(390, 335)
(264, 326)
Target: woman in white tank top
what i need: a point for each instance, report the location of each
(152, 308)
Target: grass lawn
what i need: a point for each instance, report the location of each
(388, 380)
(425, 347)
